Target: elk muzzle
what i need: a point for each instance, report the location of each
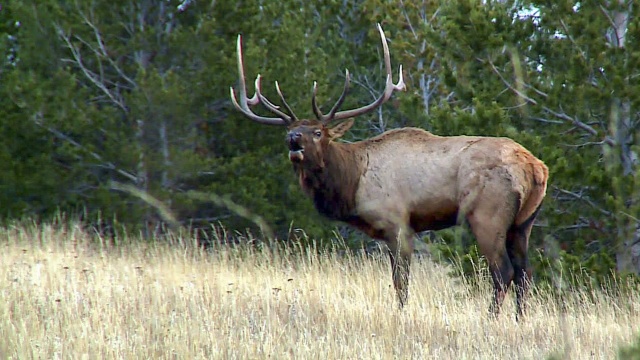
(296, 151)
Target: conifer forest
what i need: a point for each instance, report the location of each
(118, 113)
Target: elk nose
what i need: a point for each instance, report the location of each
(293, 135)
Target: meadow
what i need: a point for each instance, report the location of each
(65, 294)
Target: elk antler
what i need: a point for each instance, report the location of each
(258, 98)
(389, 89)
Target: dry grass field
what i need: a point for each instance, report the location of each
(63, 296)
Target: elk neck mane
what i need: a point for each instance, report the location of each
(333, 186)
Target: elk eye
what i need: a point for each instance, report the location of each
(317, 133)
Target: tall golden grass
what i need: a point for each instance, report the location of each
(66, 295)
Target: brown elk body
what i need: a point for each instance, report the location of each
(408, 180)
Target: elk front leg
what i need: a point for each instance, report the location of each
(400, 244)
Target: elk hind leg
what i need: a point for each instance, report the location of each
(502, 275)
(517, 248)
(490, 224)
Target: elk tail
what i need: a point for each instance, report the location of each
(528, 221)
(531, 206)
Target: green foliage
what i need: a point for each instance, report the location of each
(467, 262)
(630, 352)
(137, 93)
(592, 272)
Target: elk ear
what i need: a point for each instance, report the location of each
(339, 130)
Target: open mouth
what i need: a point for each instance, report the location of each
(295, 147)
(296, 152)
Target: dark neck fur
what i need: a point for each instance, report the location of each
(333, 187)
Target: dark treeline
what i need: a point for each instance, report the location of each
(101, 96)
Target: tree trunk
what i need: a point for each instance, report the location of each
(623, 160)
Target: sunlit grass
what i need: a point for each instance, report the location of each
(64, 295)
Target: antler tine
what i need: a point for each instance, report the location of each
(325, 119)
(267, 103)
(243, 104)
(284, 103)
(314, 104)
(390, 87)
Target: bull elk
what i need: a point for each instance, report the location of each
(408, 180)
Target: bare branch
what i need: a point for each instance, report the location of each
(580, 196)
(90, 75)
(370, 88)
(539, 92)
(630, 217)
(426, 81)
(573, 227)
(406, 16)
(578, 124)
(547, 121)
(608, 16)
(560, 115)
(102, 52)
(511, 87)
(106, 164)
(588, 143)
(616, 35)
(573, 41)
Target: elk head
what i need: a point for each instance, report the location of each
(308, 139)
